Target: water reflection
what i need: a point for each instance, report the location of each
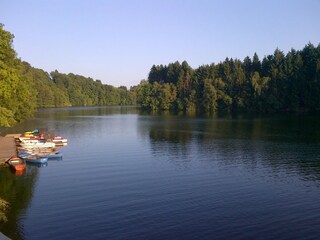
(62, 113)
(120, 141)
(18, 191)
(37, 165)
(60, 119)
(281, 144)
(18, 172)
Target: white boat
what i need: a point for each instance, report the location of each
(28, 140)
(37, 144)
(59, 140)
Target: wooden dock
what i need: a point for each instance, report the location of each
(3, 237)
(7, 148)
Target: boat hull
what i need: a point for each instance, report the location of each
(38, 145)
(54, 156)
(32, 159)
(23, 154)
(17, 164)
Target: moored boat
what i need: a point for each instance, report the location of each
(60, 140)
(37, 145)
(33, 133)
(31, 139)
(35, 159)
(17, 163)
(55, 155)
(23, 154)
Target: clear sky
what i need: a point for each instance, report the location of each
(117, 41)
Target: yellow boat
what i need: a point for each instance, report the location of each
(32, 134)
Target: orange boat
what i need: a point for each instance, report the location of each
(17, 163)
(19, 173)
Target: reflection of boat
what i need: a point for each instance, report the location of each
(34, 164)
(20, 173)
(35, 159)
(17, 163)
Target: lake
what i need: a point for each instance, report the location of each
(128, 175)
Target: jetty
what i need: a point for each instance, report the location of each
(32, 144)
(8, 147)
(3, 237)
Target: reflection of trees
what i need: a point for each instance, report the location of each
(279, 145)
(170, 137)
(56, 117)
(17, 190)
(3, 207)
(60, 113)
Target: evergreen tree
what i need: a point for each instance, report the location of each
(279, 83)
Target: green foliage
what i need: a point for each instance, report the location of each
(45, 93)
(6, 117)
(16, 101)
(280, 82)
(82, 91)
(24, 88)
(209, 98)
(145, 95)
(4, 205)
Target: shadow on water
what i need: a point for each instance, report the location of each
(60, 113)
(17, 191)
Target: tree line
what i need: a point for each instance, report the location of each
(279, 83)
(24, 88)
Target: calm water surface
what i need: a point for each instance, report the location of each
(125, 175)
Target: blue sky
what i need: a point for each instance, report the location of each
(117, 41)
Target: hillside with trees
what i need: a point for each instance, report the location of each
(24, 88)
(279, 83)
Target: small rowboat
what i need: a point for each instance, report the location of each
(51, 156)
(35, 159)
(29, 145)
(23, 154)
(33, 133)
(17, 163)
(28, 140)
(54, 156)
(60, 140)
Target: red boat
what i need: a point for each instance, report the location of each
(60, 140)
(17, 163)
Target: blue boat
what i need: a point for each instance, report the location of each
(55, 156)
(23, 154)
(51, 156)
(35, 159)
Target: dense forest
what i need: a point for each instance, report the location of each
(279, 83)
(24, 88)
